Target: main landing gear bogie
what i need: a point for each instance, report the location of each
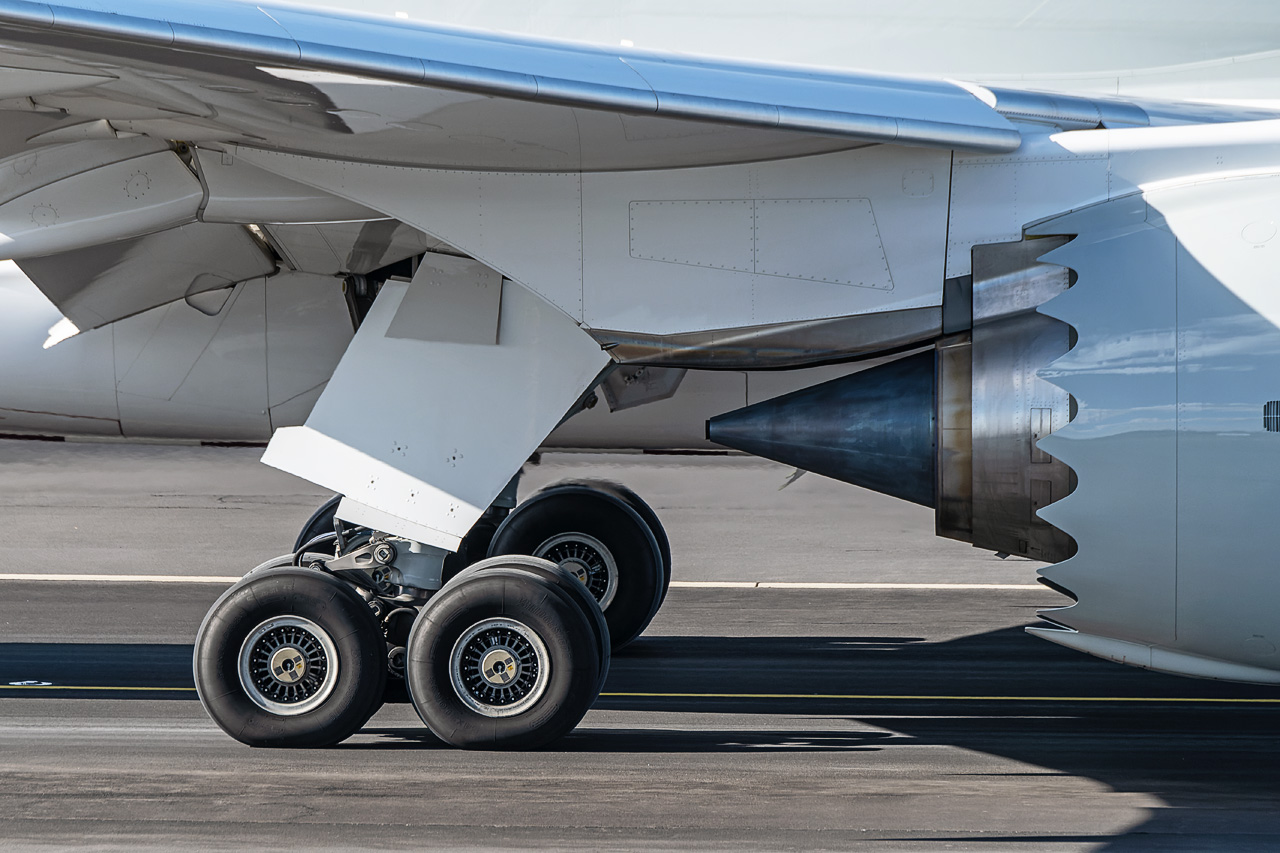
(601, 531)
(510, 652)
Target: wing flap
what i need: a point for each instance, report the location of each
(101, 284)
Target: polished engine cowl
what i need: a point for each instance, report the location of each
(954, 427)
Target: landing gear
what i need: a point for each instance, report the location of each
(290, 657)
(566, 582)
(507, 652)
(602, 532)
(318, 530)
(319, 524)
(642, 509)
(503, 657)
(510, 654)
(607, 537)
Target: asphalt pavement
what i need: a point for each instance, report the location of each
(744, 719)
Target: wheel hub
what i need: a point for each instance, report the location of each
(288, 665)
(589, 559)
(499, 667)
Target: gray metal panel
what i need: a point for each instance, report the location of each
(454, 300)
(778, 345)
(1010, 344)
(101, 284)
(953, 516)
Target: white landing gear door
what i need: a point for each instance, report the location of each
(450, 384)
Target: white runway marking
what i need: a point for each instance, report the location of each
(121, 578)
(212, 579)
(838, 585)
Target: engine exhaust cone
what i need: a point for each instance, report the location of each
(874, 429)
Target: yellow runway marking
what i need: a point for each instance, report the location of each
(935, 698)
(227, 581)
(83, 687)
(911, 697)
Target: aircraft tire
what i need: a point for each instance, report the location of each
(502, 659)
(641, 507)
(563, 580)
(320, 523)
(601, 539)
(284, 619)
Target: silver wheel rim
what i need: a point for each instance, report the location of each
(288, 666)
(590, 561)
(499, 667)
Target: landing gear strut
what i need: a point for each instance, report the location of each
(602, 532)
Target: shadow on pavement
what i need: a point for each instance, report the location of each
(1212, 765)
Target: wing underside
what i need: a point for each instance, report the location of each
(293, 57)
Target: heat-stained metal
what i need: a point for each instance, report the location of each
(1012, 408)
(874, 428)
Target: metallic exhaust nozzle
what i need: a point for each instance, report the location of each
(874, 429)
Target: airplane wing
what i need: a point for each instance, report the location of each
(196, 42)
(95, 94)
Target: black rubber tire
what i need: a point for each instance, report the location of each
(620, 528)
(645, 511)
(286, 561)
(518, 595)
(313, 595)
(320, 523)
(564, 581)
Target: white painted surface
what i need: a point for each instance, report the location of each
(569, 237)
(25, 170)
(111, 202)
(99, 284)
(308, 328)
(1157, 658)
(195, 375)
(70, 387)
(433, 447)
(1122, 443)
(635, 294)
(453, 300)
(239, 192)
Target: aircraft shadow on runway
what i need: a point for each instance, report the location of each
(1213, 765)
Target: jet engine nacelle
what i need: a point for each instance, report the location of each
(1167, 541)
(953, 427)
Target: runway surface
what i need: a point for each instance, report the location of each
(745, 718)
